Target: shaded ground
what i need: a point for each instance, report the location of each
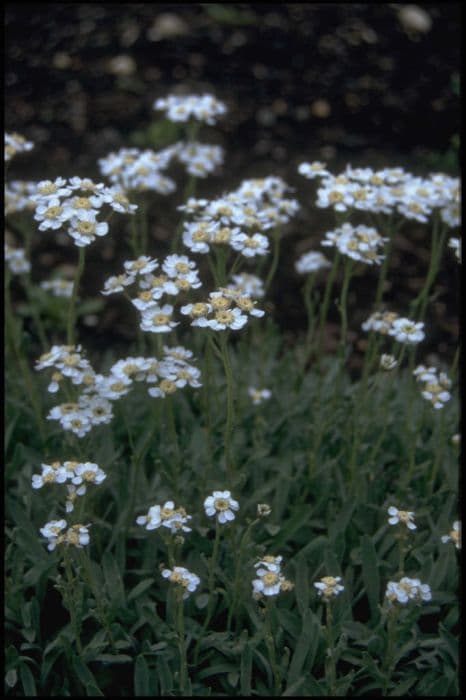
(359, 83)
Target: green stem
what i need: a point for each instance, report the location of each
(270, 642)
(230, 406)
(239, 571)
(71, 601)
(181, 644)
(103, 618)
(72, 310)
(307, 294)
(330, 666)
(275, 258)
(212, 597)
(388, 665)
(325, 304)
(343, 305)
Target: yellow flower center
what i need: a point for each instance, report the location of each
(86, 228)
(160, 319)
(53, 212)
(167, 386)
(221, 504)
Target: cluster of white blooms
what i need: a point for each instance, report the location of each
(401, 516)
(329, 587)
(16, 260)
(311, 262)
(386, 191)
(248, 285)
(76, 203)
(407, 589)
(258, 396)
(455, 245)
(133, 169)
(94, 405)
(182, 577)
(181, 108)
(454, 535)
(77, 535)
(79, 475)
(199, 159)
(225, 309)
(59, 288)
(390, 323)
(388, 362)
(14, 144)
(238, 218)
(435, 387)
(270, 579)
(18, 196)
(357, 242)
(178, 274)
(221, 505)
(168, 516)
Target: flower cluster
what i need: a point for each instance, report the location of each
(258, 396)
(311, 262)
(403, 330)
(388, 362)
(16, 260)
(406, 517)
(202, 108)
(435, 385)
(221, 505)
(79, 474)
(386, 191)
(18, 195)
(94, 405)
(168, 516)
(58, 287)
(183, 578)
(247, 285)
(239, 218)
(14, 144)
(270, 579)
(357, 242)
(77, 535)
(329, 587)
(133, 169)
(199, 159)
(406, 590)
(225, 309)
(76, 203)
(454, 535)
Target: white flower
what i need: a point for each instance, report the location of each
(311, 262)
(406, 331)
(204, 108)
(455, 245)
(248, 284)
(51, 531)
(250, 246)
(59, 288)
(140, 266)
(268, 583)
(227, 318)
(258, 396)
(158, 319)
(51, 214)
(55, 473)
(407, 589)
(454, 535)
(182, 577)
(388, 362)
(85, 228)
(14, 144)
(329, 587)
(16, 259)
(312, 170)
(270, 563)
(401, 516)
(168, 516)
(117, 283)
(88, 472)
(222, 505)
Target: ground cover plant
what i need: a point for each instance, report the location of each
(216, 512)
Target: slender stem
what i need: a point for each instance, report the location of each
(325, 304)
(211, 580)
(387, 666)
(307, 294)
(440, 448)
(71, 601)
(181, 644)
(330, 666)
(72, 310)
(230, 406)
(239, 571)
(270, 642)
(103, 618)
(275, 258)
(343, 304)
(174, 440)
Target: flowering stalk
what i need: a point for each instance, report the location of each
(440, 443)
(210, 605)
(388, 662)
(103, 618)
(325, 304)
(230, 404)
(348, 265)
(72, 309)
(239, 571)
(439, 233)
(275, 258)
(307, 294)
(269, 640)
(330, 666)
(392, 229)
(183, 678)
(70, 600)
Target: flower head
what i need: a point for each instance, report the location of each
(454, 535)
(222, 505)
(183, 578)
(405, 517)
(407, 589)
(329, 587)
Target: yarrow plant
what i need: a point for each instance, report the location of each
(176, 379)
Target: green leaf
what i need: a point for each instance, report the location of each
(27, 680)
(140, 588)
(370, 575)
(113, 580)
(86, 677)
(141, 678)
(302, 649)
(245, 670)
(11, 678)
(302, 586)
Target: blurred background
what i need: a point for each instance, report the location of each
(373, 84)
